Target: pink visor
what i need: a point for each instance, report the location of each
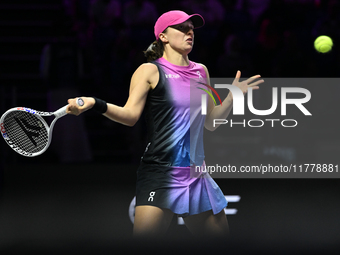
(174, 18)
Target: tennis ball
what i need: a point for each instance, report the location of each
(323, 44)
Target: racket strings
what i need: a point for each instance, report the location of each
(26, 131)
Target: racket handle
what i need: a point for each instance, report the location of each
(61, 112)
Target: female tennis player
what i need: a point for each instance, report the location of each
(175, 125)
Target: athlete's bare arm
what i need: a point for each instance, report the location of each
(144, 78)
(216, 112)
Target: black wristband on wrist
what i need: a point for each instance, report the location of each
(100, 105)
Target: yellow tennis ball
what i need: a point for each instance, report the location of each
(323, 44)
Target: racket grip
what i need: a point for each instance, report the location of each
(61, 112)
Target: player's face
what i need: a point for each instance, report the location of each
(181, 36)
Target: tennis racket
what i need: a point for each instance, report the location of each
(25, 130)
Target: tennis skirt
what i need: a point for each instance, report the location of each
(176, 189)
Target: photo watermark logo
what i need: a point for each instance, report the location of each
(239, 105)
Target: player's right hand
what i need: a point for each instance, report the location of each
(76, 109)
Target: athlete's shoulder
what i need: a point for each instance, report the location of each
(147, 72)
(198, 65)
(205, 68)
(202, 65)
(147, 69)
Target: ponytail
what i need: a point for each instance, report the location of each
(154, 51)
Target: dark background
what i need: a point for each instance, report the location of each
(76, 196)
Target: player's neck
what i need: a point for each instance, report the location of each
(177, 59)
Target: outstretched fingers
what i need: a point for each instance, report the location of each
(251, 79)
(256, 83)
(238, 76)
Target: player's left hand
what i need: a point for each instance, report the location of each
(249, 83)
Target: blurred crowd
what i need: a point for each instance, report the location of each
(271, 37)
